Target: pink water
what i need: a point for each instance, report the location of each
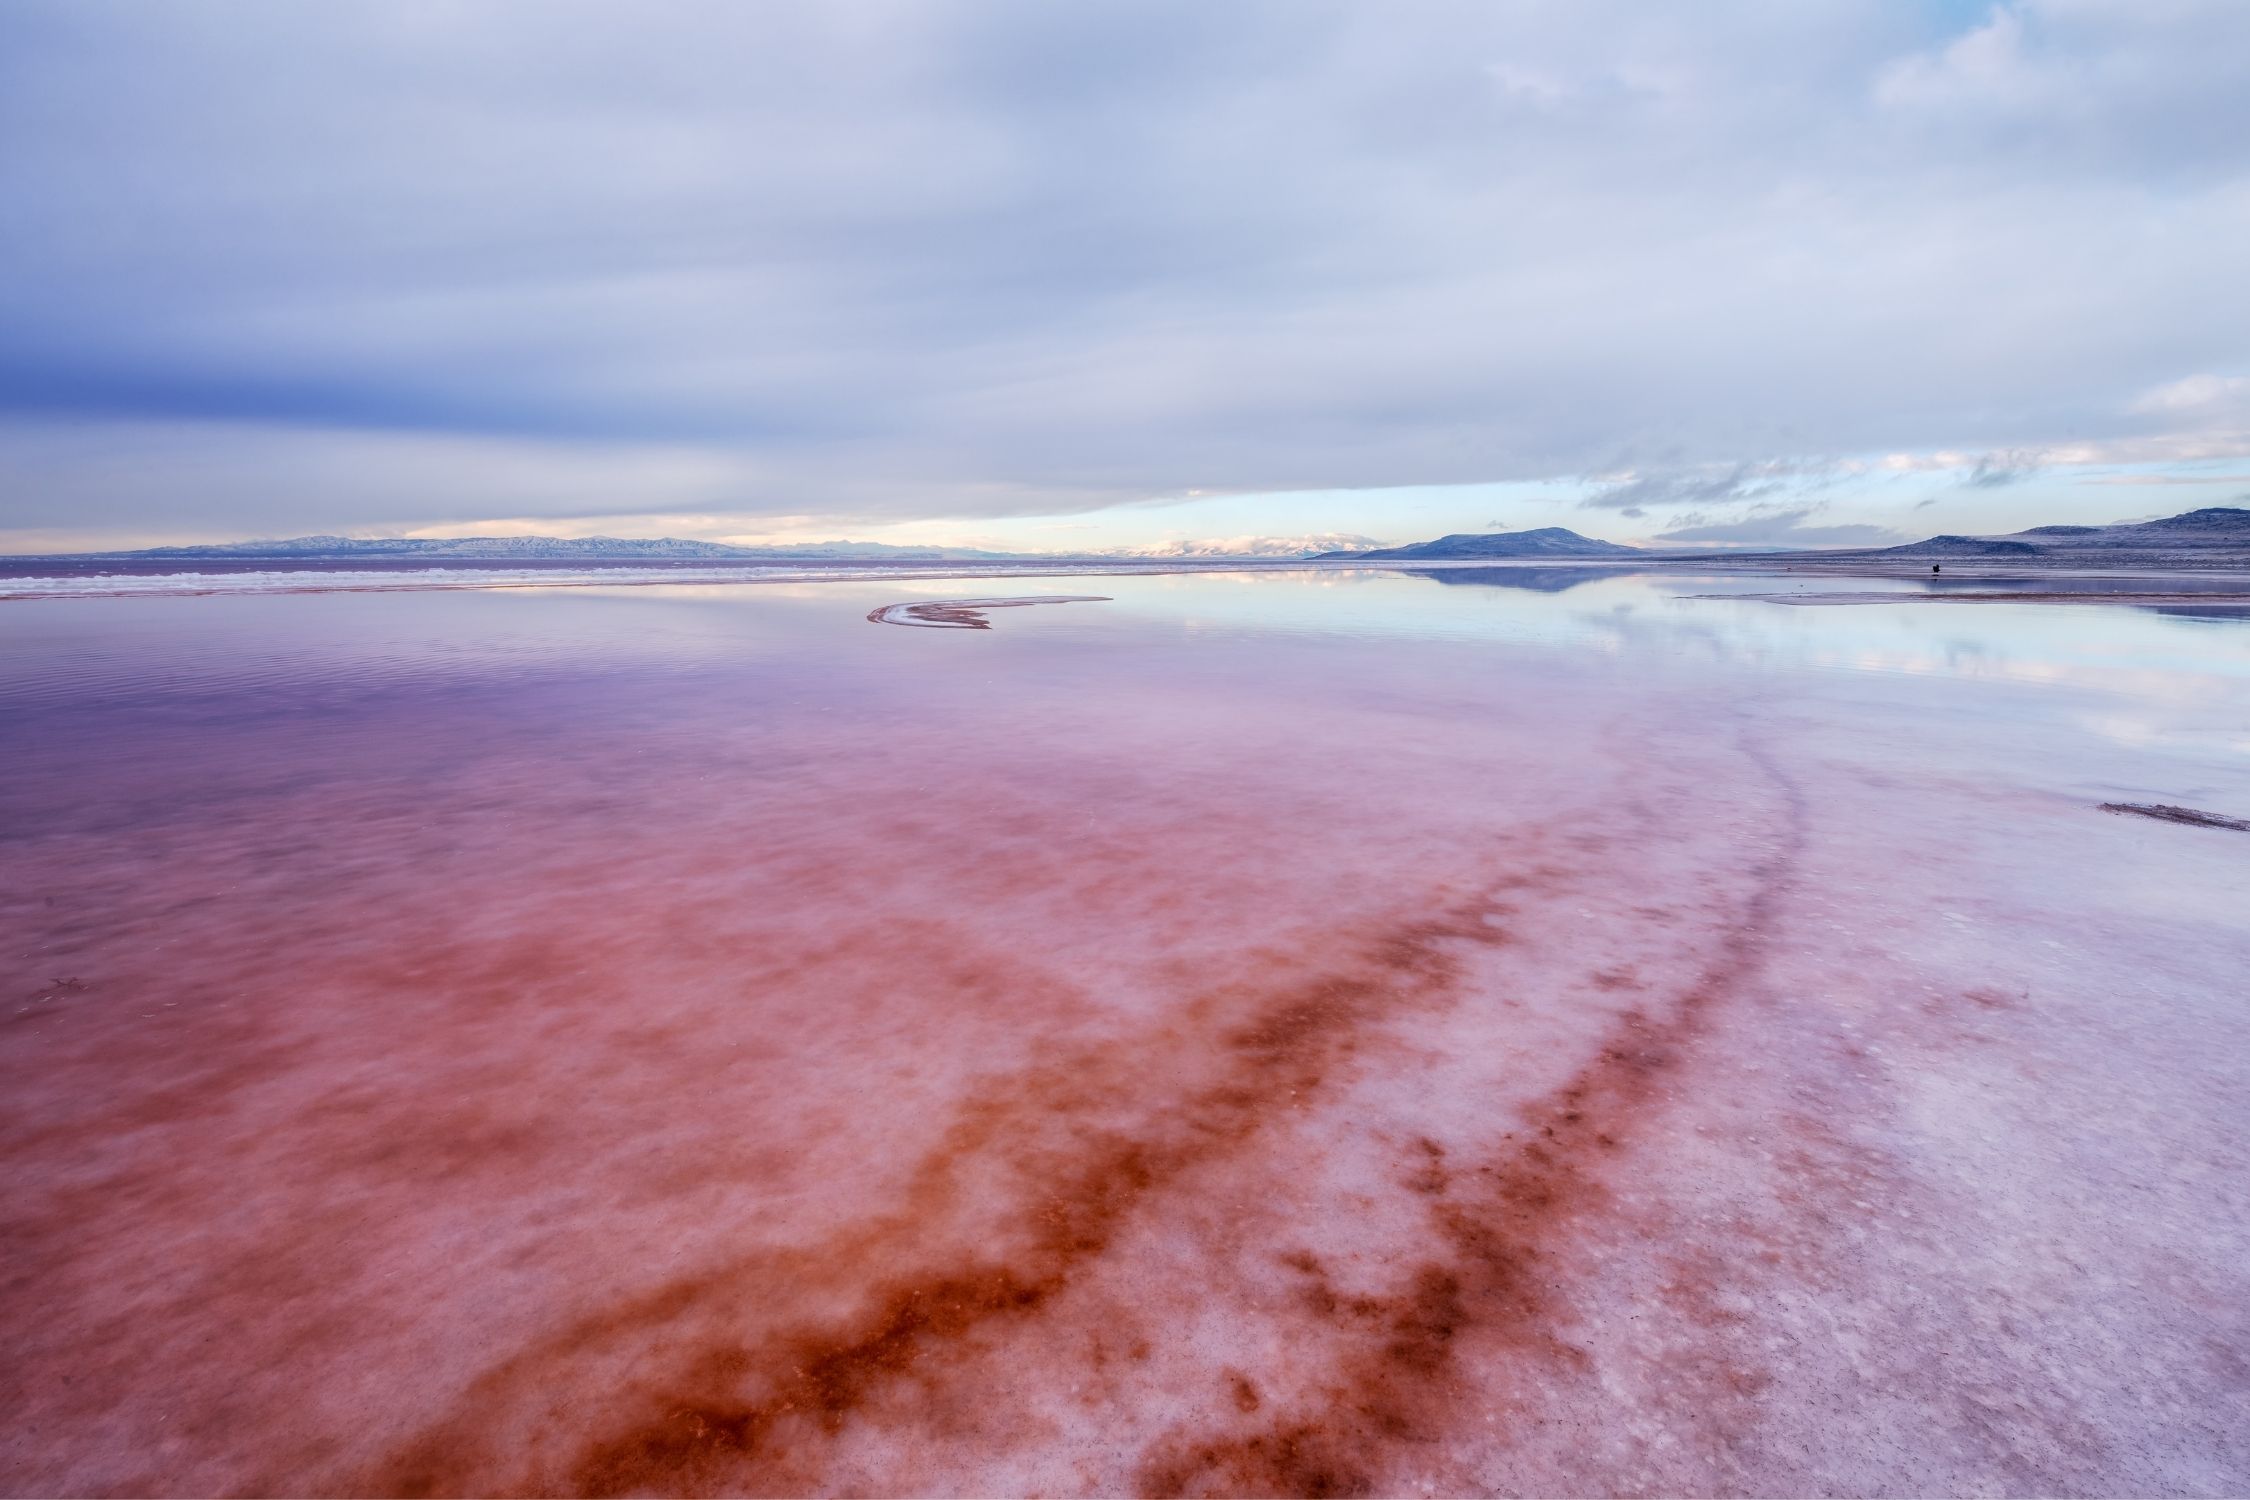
(1263, 1034)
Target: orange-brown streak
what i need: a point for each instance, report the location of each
(738, 1411)
(1502, 1227)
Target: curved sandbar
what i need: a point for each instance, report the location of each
(965, 614)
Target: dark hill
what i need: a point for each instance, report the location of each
(2216, 534)
(2217, 523)
(1546, 541)
(1965, 546)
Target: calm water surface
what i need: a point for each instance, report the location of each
(1270, 1032)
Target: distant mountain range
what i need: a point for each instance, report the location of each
(2214, 536)
(549, 548)
(1546, 541)
(672, 549)
(2214, 530)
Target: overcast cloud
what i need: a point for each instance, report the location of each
(1774, 526)
(321, 266)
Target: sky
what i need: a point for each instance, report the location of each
(1142, 277)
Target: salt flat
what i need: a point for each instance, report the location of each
(1324, 1032)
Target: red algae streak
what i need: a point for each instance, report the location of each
(1290, 1068)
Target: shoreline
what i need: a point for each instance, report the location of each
(2146, 583)
(2227, 600)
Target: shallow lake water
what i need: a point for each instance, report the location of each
(1307, 1032)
